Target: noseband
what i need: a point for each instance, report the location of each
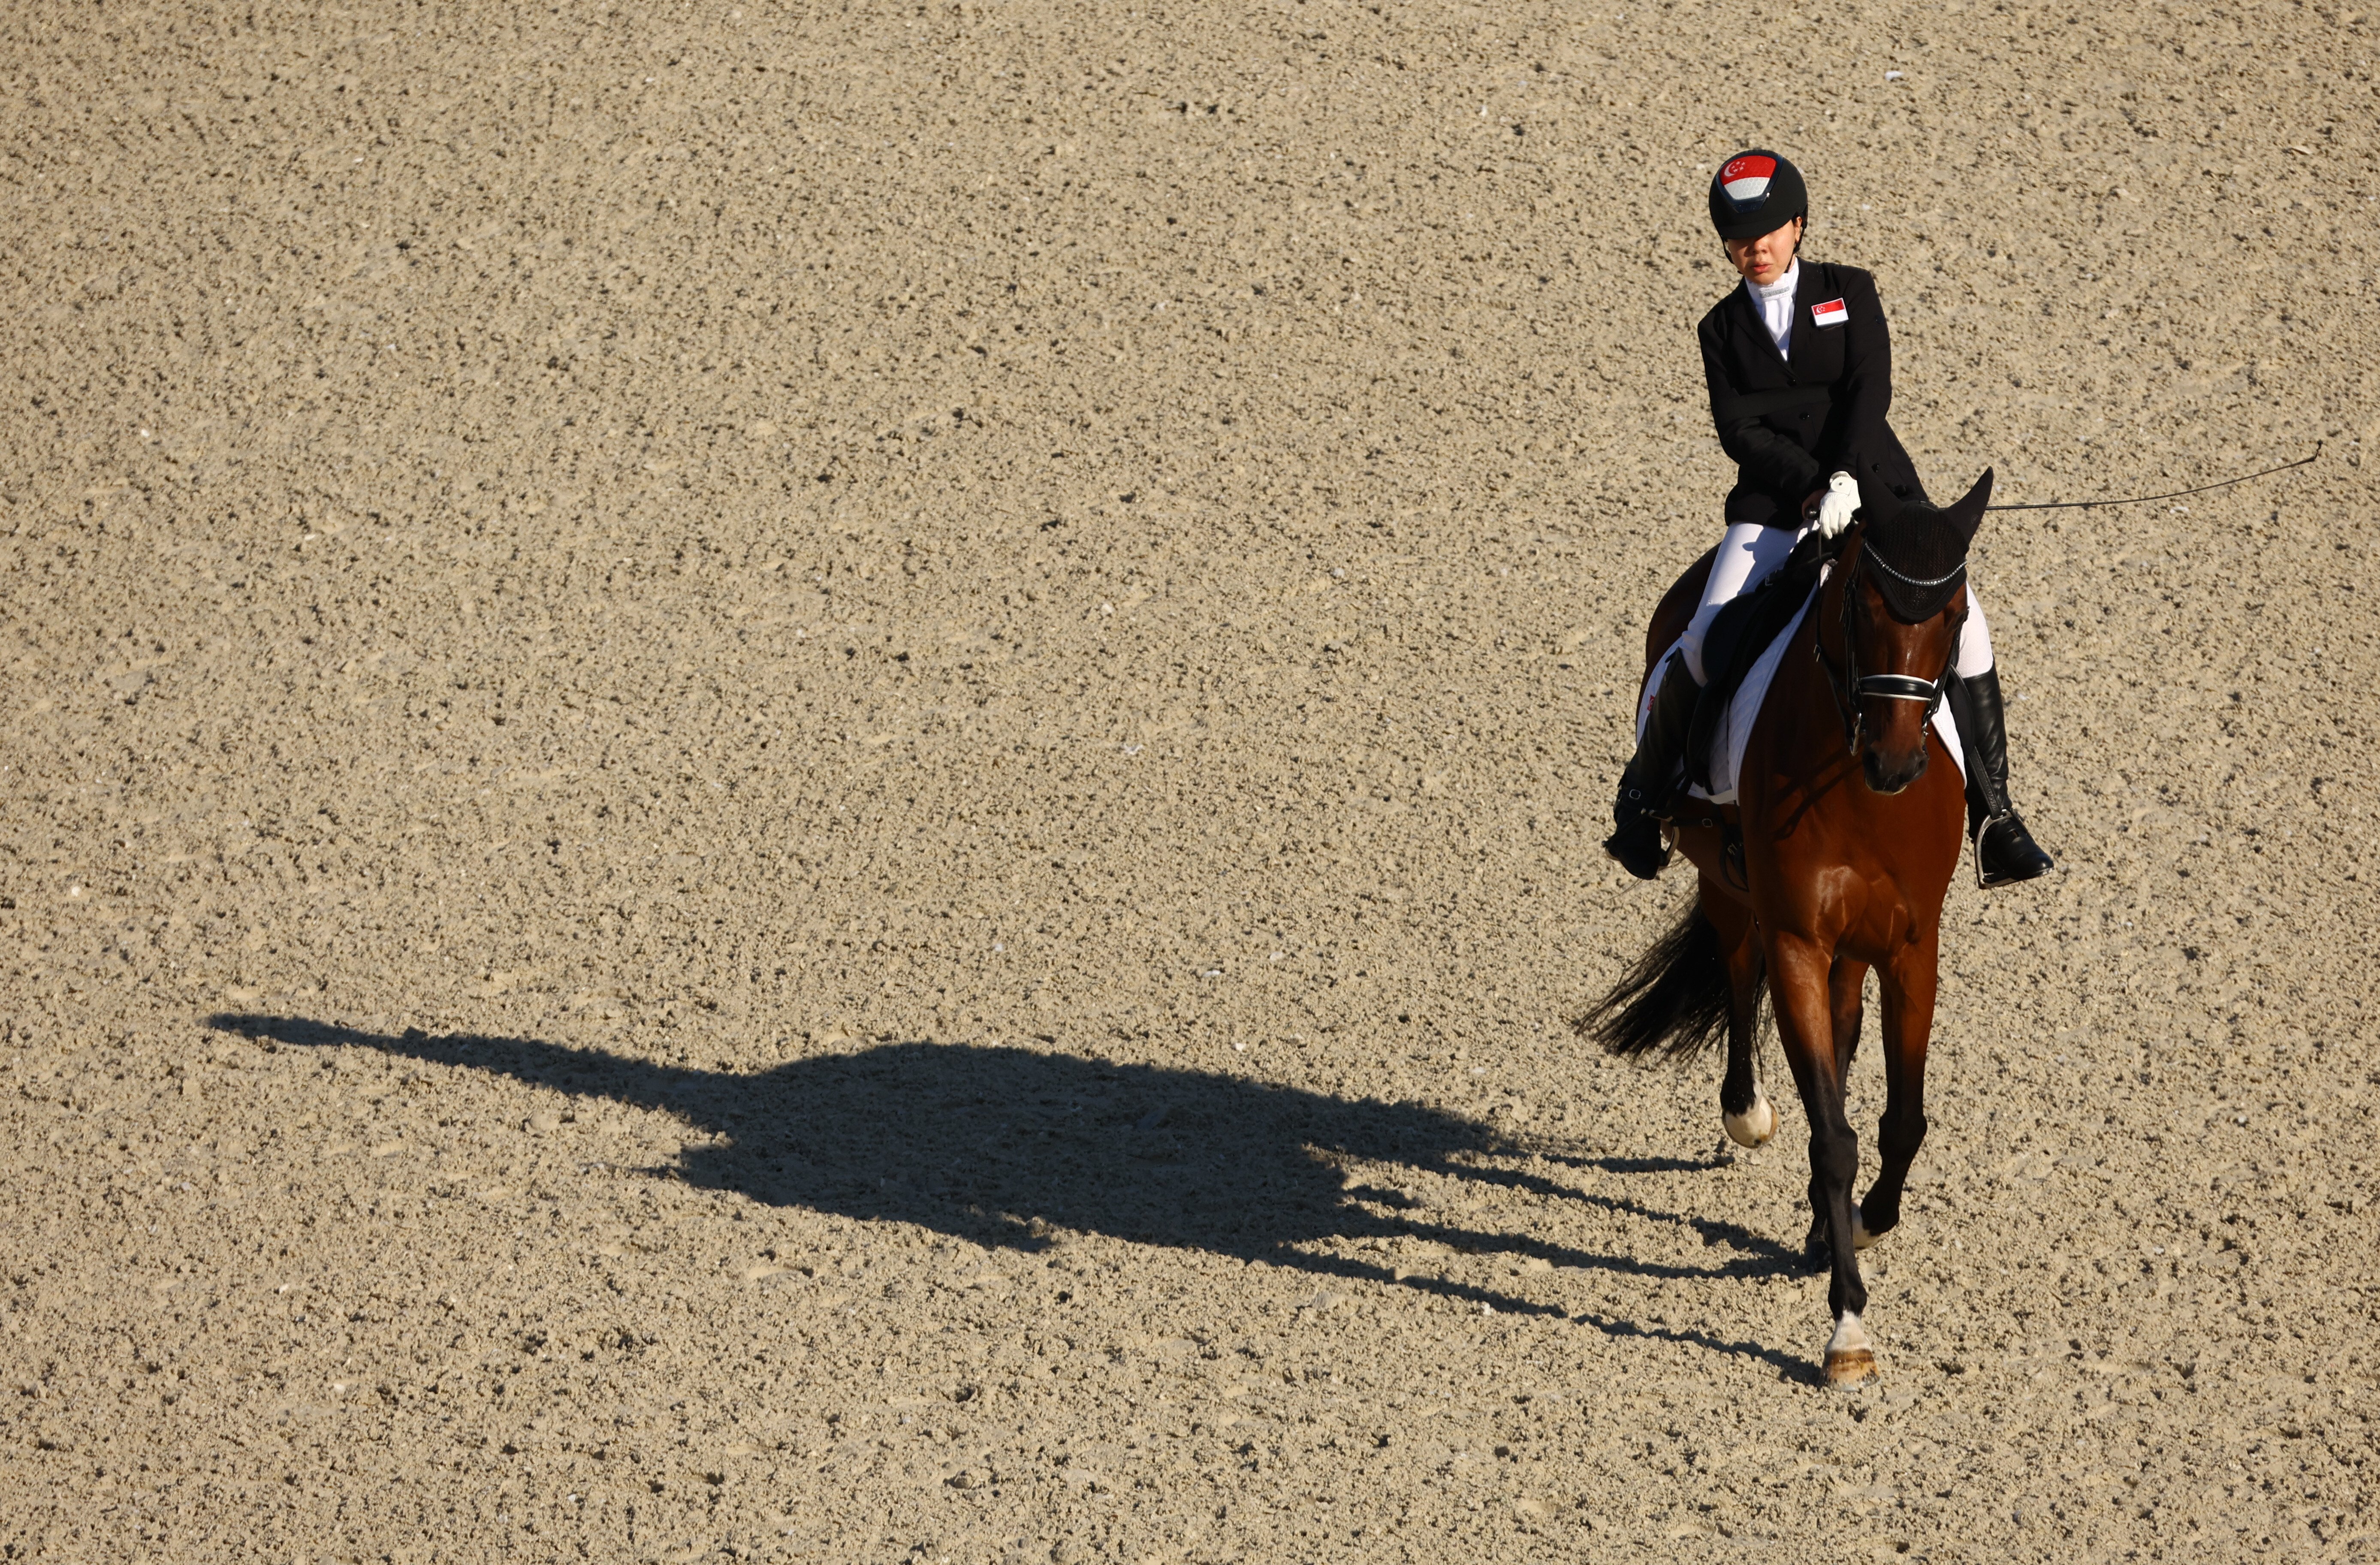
(1849, 686)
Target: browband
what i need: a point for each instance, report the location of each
(1880, 562)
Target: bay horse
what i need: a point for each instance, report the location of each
(1848, 825)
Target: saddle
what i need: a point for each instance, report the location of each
(1738, 634)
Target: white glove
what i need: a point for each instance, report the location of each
(1836, 506)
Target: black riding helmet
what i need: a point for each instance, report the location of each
(1756, 192)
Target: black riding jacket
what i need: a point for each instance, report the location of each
(1791, 422)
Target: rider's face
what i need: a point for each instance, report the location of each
(1764, 260)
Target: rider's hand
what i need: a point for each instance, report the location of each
(1837, 504)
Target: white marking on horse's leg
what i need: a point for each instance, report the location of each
(1851, 1357)
(1755, 1125)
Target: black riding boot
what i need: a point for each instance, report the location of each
(1645, 787)
(2005, 851)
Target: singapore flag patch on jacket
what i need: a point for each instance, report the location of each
(1831, 313)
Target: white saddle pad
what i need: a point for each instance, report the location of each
(1728, 741)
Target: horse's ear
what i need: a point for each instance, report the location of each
(1968, 514)
(1878, 505)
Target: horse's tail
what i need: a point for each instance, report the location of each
(1674, 1001)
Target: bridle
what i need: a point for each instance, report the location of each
(1849, 686)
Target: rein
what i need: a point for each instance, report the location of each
(1849, 686)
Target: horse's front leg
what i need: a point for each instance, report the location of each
(1846, 1006)
(1801, 983)
(1908, 983)
(1845, 981)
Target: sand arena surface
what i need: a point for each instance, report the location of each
(823, 784)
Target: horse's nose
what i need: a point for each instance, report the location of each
(1888, 774)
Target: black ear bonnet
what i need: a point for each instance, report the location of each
(1917, 553)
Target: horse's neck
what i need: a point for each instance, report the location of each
(1809, 682)
(1827, 609)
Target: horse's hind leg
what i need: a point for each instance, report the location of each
(1908, 987)
(1745, 1111)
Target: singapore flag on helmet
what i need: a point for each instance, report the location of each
(1745, 179)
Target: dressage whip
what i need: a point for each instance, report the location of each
(2145, 498)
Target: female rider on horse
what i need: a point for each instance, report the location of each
(1801, 376)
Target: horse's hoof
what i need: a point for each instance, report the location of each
(1851, 1357)
(1861, 1237)
(1755, 1125)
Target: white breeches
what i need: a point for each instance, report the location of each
(1749, 551)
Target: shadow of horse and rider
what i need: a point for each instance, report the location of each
(1832, 863)
(1003, 1145)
